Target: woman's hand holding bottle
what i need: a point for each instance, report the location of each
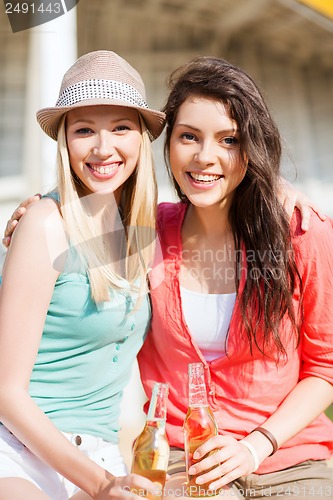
(226, 459)
(119, 487)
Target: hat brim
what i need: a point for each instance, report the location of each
(49, 118)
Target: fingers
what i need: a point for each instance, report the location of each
(11, 224)
(305, 214)
(321, 214)
(130, 487)
(32, 199)
(289, 204)
(16, 216)
(305, 206)
(226, 464)
(226, 478)
(139, 486)
(6, 241)
(211, 445)
(290, 198)
(211, 467)
(305, 209)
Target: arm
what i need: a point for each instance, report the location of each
(29, 264)
(290, 198)
(297, 410)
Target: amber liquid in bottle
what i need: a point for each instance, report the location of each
(151, 448)
(199, 426)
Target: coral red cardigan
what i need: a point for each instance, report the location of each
(244, 389)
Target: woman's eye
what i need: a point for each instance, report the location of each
(230, 141)
(187, 136)
(84, 130)
(121, 128)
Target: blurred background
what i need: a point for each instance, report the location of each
(286, 45)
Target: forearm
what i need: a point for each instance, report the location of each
(34, 429)
(296, 412)
(232, 459)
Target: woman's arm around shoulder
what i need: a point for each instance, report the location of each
(290, 197)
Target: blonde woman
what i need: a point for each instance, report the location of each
(73, 301)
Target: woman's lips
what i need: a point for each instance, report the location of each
(199, 177)
(104, 171)
(203, 181)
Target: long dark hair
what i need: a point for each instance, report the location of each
(257, 218)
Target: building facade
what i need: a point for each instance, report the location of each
(284, 44)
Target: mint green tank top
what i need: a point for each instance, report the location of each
(86, 355)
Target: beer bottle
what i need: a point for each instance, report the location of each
(151, 448)
(199, 425)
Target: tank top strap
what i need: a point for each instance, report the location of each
(54, 195)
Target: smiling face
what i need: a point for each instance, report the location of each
(205, 156)
(103, 144)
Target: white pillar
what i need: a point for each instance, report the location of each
(52, 50)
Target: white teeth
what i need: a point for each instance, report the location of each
(204, 177)
(103, 170)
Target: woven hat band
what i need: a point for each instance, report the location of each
(101, 89)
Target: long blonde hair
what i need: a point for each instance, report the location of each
(138, 214)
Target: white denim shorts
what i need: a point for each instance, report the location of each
(17, 461)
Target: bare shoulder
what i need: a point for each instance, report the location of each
(41, 224)
(43, 214)
(42, 210)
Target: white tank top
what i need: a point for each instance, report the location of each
(208, 319)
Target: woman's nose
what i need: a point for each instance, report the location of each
(104, 145)
(205, 155)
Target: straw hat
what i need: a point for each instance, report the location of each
(101, 77)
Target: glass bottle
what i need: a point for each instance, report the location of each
(199, 425)
(151, 448)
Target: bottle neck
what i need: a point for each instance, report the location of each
(197, 395)
(197, 391)
(158, 404)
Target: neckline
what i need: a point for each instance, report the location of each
(201, 294)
